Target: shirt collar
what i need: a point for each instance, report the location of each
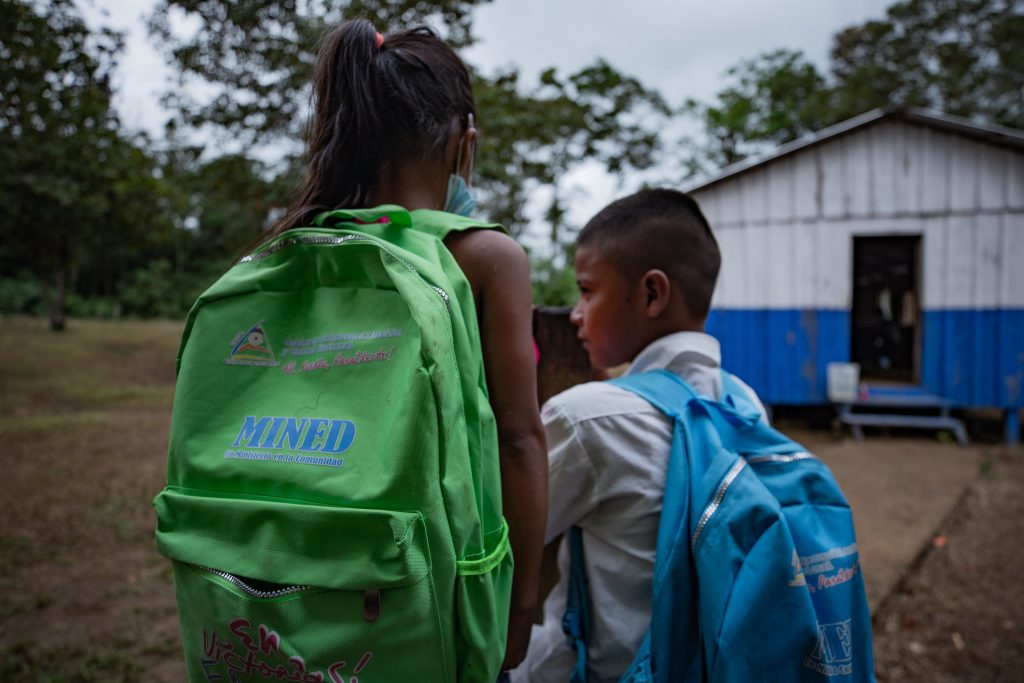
(673, 351)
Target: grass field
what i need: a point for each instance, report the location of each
(83, 425)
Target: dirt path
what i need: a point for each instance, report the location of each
(959, 615)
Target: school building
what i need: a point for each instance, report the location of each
(894, 240)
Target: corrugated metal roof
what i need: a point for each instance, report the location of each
(997, 135)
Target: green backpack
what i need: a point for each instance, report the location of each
(333, 500)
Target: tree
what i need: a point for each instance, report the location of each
(964, 57)
(60, 146)
(82, 203)
(258, 58)
(531, 140)
(775, 98)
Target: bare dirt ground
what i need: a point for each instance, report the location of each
(85, 598)
(959, 613)
(940, 530)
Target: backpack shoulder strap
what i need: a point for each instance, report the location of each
(673, 599)
(441, 223)
(664, 390)
(670, 394)
(437, 223)
(576, 620)
(736, 394)
(385, 213)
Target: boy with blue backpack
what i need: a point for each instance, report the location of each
(700, 544)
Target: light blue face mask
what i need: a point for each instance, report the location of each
(459, 199)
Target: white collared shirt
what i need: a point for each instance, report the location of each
(607, 452)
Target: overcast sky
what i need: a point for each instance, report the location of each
(680, 47)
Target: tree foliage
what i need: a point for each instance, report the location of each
(775, 98)
(531, 140)
(962, 57)
(71, 180)
(258, 58)
(254, 58)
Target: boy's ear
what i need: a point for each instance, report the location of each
(656, 291)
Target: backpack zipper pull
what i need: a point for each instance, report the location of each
(371, 604)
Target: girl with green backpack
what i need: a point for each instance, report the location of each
(355, 416)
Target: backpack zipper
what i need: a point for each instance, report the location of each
(335, 240)
(730, 477)
(254, 592)
(371, 596)
(790, 457)
(716, 502)
(292, 241)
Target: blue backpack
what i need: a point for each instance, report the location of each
(757, 576)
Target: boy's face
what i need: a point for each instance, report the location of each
(609, 314)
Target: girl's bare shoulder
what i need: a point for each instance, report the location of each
(484, 254)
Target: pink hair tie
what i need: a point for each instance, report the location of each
(380, 39)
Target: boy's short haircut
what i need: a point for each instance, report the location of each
(659, 229)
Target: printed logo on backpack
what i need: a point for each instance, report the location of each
(251, 348)
(332, 510)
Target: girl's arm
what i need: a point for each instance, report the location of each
(499, 273)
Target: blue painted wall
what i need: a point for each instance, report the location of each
(971, 357)
(975, 357)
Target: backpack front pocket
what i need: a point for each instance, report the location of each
(272, 590)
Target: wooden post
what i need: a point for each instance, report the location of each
(563, 362)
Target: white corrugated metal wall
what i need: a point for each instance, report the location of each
(786, 232)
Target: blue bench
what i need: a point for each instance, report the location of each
(863, 412)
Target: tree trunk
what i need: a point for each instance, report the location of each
(54, 307)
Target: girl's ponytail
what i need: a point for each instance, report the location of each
(346, 125)
(375, 101)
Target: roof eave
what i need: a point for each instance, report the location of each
(992, 133)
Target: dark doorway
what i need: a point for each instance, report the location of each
(886, 307)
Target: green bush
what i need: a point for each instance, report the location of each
(78, 306)
(157, 291)
(20, 295)
(553, 284)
